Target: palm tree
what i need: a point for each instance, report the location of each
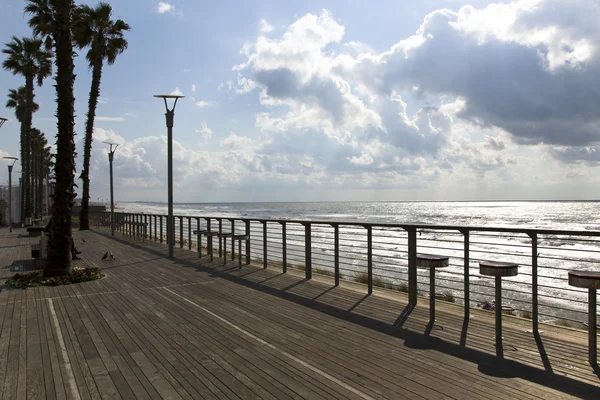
(16, 100)
(41, 20)
(39, 145)
(59, 243)
(95, 29)
(29, 58)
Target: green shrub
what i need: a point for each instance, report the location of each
(35, 278)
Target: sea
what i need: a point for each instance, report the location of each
(557, 253)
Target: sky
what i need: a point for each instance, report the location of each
(340, 100)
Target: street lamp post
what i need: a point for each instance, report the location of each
(111, 155)
(10, 168)
(170, 116)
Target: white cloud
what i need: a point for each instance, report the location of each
(203, 103)
(265, 27)
(459, 98)
(164, 8)
(204, 130)
(102, 100)
(193, 88)
(475, 101)
(4, 153)
(176, 92)
(243, 85)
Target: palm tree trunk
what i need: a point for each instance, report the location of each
(59, 243)
(21, 187)
(28, 119)
(40, 174)
(84, 222)
(33, 176)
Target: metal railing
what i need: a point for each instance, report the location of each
(384, 255)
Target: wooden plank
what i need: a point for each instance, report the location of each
(128, 379)
(12, 362)
(34, 387)
(5, 335)
(85, 383)
(52, 366)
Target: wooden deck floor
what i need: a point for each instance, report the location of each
(188, 328)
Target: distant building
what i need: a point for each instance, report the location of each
(16, 204)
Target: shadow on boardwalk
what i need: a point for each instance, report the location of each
(531, 362)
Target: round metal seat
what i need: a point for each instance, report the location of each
(432, 262)
(589, 280)
(498, 270)
(585, 279)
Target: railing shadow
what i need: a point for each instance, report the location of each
(358, 303)
(542, 350)
(463, 332)
(487, 364)
(404, 315)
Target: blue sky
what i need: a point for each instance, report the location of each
(342, 100)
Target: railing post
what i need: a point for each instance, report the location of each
(198, 236)
(284, 245)
(189, 232)
(412, 266)
(264, 244)
(534, 282)
(220, 232)
(161, 228)
(150, 228)
(209, 239)
(307, 250)
(370, 257)
(168, 229)
(232, 241)
(181, 232)
(155, 225)
(466, 273)
(592, 328)
(336, 252)
(247, 241)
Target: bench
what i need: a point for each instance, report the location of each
(35, 231)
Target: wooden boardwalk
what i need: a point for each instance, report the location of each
(187, 328)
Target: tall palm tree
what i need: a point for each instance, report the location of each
(59, 243)
(17, 100)
(29, 58)
(95, 29)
